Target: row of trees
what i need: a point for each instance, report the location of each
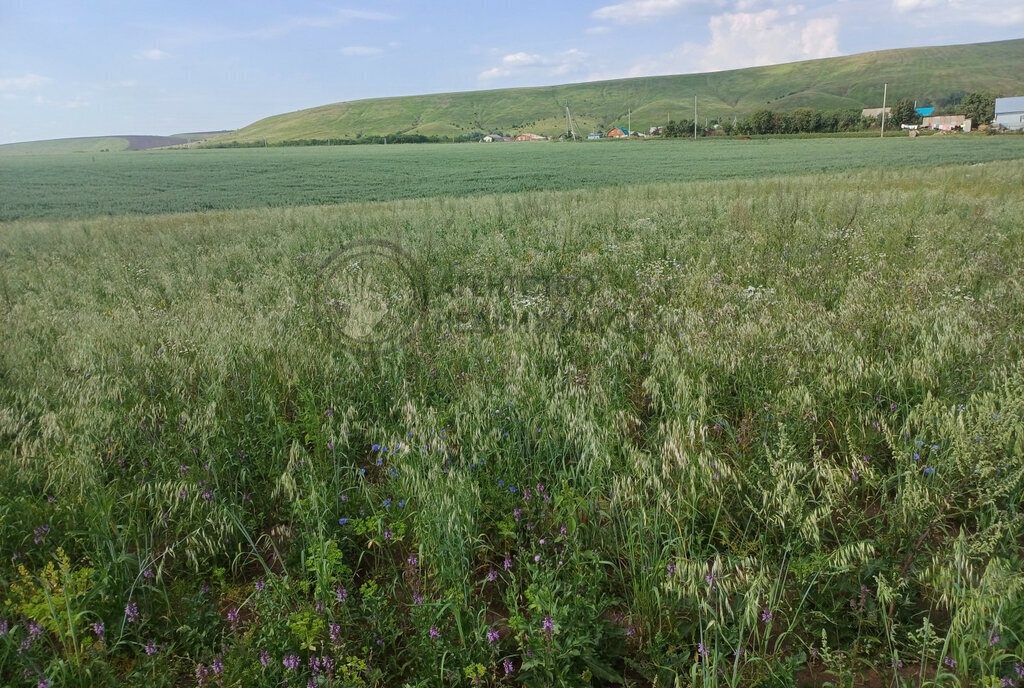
(978, 106)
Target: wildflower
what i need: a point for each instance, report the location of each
(710, 580)
(387, 534)
(201, 673)
(417, 598)
(264, 658)
(492, 575)
(208, 496)
(703, 651)
(516, 513)
(434, 633)
(151, 648)
(291, 662)
(148, 573)
(508, 563)
(492, 636)
(506, 664)
(929, 470)
(543, 541)
(387, 503)
(375, 447)
(950, 662)
(738, 651)
(131, 611)
(1019, 668)
(401, 504)
(260, 585)
(1006, 681)
(97, 628)
(334, 630)
(563, 531)
(3, 627)
(896, 663)
(412, 561)
(342, 594)
(766, 616)
(217, 665)
(548, 627)
(342, 521)
(45, 683)
(35, 631)
(330, 412)
(993, 638)
(330, 446)
(512, 489)
(319, 606)
(233, 618)
(671, 570)
(916, 456)
(536, 558)
(183, 493)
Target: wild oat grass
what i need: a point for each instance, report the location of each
(727, 433)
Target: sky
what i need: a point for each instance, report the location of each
(70, 68)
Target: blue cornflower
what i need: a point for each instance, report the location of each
(387, 502)
(929, 470)
(512, 489)
(401, 504)
(501, 483)
(920, 443)
(935, 446)
(342, 521)
(916, 456)
(375, 447)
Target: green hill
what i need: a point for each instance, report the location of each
(927, 75)
(101, 144)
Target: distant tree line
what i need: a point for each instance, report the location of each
(358, 141)
(979, 107)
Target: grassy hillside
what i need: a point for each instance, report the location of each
(924, 74)
(101, 144)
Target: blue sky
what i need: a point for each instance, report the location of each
(106, 67)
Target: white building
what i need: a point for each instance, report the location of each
(1010, 112)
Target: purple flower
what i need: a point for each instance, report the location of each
(766, 616)
(506, 664)
(3, 626)
(330, 446)
(993, 637)
(291, 662)
(319, 606)
(950, 662)
(264, 658)
(260, 585)
(387, 533)
(131, 611)
(563, 531)
(330, 412)
(492, 575)
(434, 633)
(97, 628)
(341, 594)
(45, 683)
(183, 493)
(536, 558)
(671, 570)
(548, 627)
(148, 573)
(375, 447)
(515, 513)
(492, 636)
(344, 497)
(417, 598)
(703, 651)
(201, 673)
(233, 618)
(1019, 668)
(151, 648)
(412, 560)
(401, 504)
(217, 665)
(334, 630)
(508, 563)
(184, 469)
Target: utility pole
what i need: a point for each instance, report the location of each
(695, 117)
(885, 90)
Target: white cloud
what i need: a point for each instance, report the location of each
(361, 50)
(639, 10)
(23, 83)
(754, 39)
(524, 64)
(152, 54)
(596, 30)
(745, 39)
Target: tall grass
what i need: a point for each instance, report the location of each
(772, 434)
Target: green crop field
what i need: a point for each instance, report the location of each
(760, 431)
(148, 182)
